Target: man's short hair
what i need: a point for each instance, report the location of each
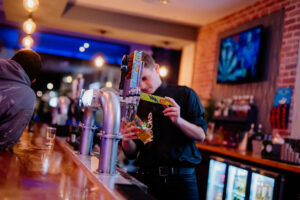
(30, 61)
(149, 62)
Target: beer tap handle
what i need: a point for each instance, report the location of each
(140, 77)
(124, 65)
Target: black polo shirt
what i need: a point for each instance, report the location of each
(170, 146)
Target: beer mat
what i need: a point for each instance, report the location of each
(155, 99)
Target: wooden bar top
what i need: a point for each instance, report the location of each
(31, 170)
(248, 156)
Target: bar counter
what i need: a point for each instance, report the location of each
(248, 156)
(32, 170)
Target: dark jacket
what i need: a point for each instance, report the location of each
(170, 146)
(16, 102)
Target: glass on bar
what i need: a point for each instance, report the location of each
(144, 134)
(50, 135)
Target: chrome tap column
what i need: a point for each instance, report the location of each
(90, 101)
(110, 134)
(109, 102)
(87, 134)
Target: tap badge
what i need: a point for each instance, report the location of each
(135, 68)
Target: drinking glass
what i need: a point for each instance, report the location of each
(145, 135)
(50, 135)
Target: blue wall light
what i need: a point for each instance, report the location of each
(66, 46)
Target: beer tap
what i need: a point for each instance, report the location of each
(132, 87)
(89, 100)
(123, 74)
(59, 110)
(77, 86)
(63, 103)
(107, 100)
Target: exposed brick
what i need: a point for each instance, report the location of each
(290, 8)
(205, 59)
(290, 21)
(294, 27)
(288, 80)
(284, 73)
(293, 73)
(292, 53)
(295, 46)
(286, 48)
(274, 8)
(293, 13)
(287, 35)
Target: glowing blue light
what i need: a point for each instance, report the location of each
(66, 46)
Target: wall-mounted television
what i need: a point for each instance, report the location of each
(239, 55)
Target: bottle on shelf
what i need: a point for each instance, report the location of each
(74, 132)
(251, 134)
(257, 144)
(259, 135)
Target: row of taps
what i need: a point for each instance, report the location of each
(116, 105)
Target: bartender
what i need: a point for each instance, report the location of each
(167, 164)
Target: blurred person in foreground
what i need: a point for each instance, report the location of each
(17, 99)
(167, 163)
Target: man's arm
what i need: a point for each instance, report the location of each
(189, 129)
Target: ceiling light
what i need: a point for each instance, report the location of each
(108, 84)
(30, 5)
(86, 45)
(53, 102)
(27, 42)
(81, 49)
(99, 61)
(69, 79)
(163, 71)
(50, 86)
(164, 2)
(52, 94)
(29, 26)
(39, 93)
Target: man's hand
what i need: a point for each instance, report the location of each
(128, 131)
(129, 134)
(172, 112)
(190, 130)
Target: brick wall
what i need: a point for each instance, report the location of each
(205, 56)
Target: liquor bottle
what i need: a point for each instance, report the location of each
(73, 135)
(251, 133)
(257, 145)
(259, 135)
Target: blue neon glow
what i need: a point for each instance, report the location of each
(66, 46)
(9, 37)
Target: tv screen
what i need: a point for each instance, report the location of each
(238, 58)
